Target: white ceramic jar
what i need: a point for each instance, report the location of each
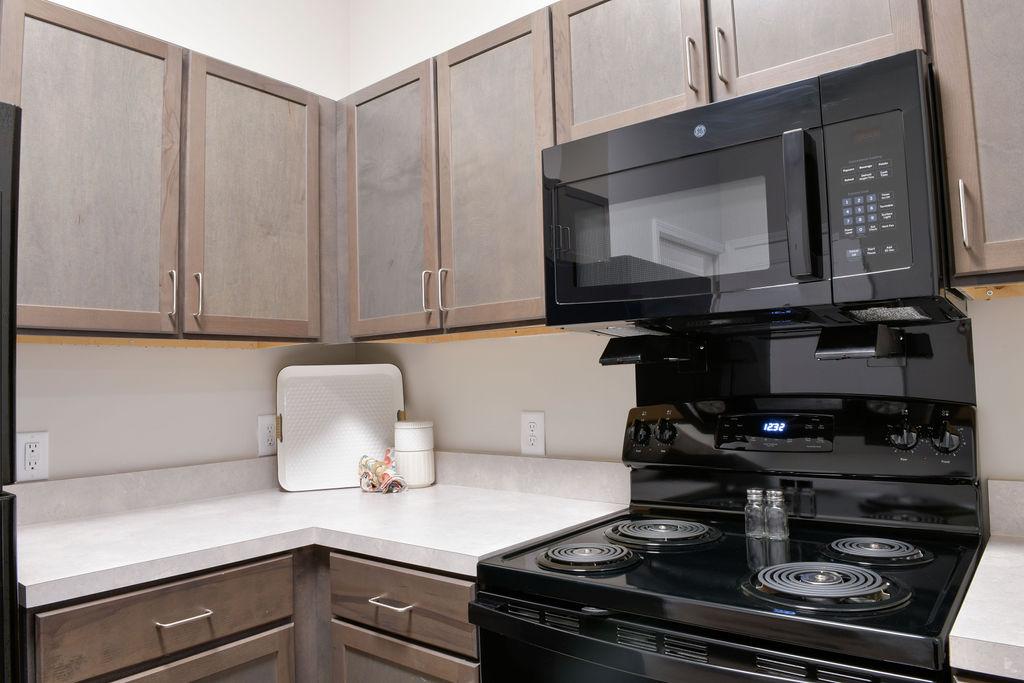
(414, 452)
(414, 436)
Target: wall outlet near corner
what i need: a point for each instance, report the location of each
(266, 434)
(32, 456)
(531, 435)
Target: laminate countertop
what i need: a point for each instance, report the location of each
(443, 527)
(988, 635)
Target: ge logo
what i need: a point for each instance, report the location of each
(700, 130)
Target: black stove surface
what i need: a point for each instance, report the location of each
(708, 586)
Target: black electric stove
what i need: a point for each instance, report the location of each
(885, 530)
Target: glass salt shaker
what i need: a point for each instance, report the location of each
(754, 513)
(776, 522)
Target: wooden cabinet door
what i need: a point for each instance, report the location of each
(618, 62)
(98, 203)
(251, 204)
(978, 56)
(494, 111)
(263, 658)
(758, 44)
(360, 655)
(391, 205)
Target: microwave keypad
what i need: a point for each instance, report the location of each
(869, 222)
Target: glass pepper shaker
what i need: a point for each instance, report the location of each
(776, 521)
(754, 514)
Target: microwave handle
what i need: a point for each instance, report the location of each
(804, 240)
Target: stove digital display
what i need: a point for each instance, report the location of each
(798, 433)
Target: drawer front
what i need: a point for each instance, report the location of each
(417, 605)
(82, 641)
(361, 655)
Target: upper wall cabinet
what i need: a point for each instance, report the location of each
(978, 56)
(494, 110)
(391, 205)
(98, 204)
(758, 44)
(618, 62)
(251, 204)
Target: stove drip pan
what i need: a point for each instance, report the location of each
(826, 587)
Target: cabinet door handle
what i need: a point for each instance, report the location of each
(719, 34)
(376, 601)
(202, 615)
(424, 276)
(691, 45)
(440, 288)
(199, 280)
(963, 214)
(174, 294)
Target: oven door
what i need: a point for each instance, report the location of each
(526, 641)
(651, 221)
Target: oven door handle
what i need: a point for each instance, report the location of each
(803, 236)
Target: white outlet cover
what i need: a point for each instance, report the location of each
(22, 471)
(266, 435)
(531, 433)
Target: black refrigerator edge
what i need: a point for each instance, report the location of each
(10, 128)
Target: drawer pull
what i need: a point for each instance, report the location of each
(376, 601)
(202, 615)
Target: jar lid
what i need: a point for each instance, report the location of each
(414, 425)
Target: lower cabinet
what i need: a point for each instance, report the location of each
(362, 655)
(263, 658)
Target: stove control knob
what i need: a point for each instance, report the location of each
(666, 432)
(640, 433)
(903, 437)
(947, 439)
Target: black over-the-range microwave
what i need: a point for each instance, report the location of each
(815, 203)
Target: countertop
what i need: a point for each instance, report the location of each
(988, 636)
(443, 527)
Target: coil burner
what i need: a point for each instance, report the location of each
(826, 587)
(881, 552)
(588, 558)
(662, 534)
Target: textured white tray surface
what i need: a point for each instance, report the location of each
(447, 528)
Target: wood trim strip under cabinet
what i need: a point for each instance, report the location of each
(566, 128)
(538, 26)
(439, 614)
(413, 657)
(94, 638)
(277, 642)
(12, 34)
(200, 66)
(409, 322)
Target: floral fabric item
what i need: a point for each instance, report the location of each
(380, 476)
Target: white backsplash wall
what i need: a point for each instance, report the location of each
(474, 391)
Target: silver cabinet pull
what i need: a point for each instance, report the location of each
(691, 45)
(202, 615)
(199, 280)
(719, 34)
(440, 289)
(424, 276)
(376, 601)
(174, 294)
(963, 213)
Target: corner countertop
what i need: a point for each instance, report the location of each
(988, 636)
(443, 527)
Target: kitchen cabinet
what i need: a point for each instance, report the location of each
(360, 654)
(102, 636)
(252, 205)
(758, 44)
(267, 657)
(617, 62)
(391, 204)
(494, 110)
(99, 168)
(977, 55)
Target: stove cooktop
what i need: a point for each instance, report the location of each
(886, 594)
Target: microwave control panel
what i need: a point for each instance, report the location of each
(869, 220)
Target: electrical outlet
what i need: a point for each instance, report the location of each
(266, 434)
(531, 435)
(32, 456)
